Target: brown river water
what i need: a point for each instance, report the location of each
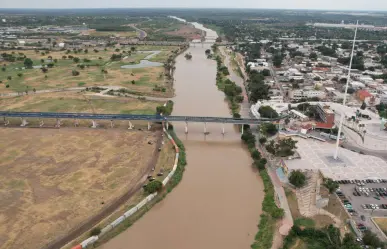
(218, 202)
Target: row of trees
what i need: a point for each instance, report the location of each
(282, 148)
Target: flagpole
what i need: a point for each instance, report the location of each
(345, 94)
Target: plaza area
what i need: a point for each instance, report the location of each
(318, 155)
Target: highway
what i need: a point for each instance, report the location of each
(150, 118)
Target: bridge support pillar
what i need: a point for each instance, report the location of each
(94, 124)
(6, 122)
(205, 128)
(130, 126)
(186, 127)
(167, 125)
(223, 128)
(58, 123)
(24, 122)
(149, 126)
(242, 128)
(41, 123)
(111, 124)
(76, 122)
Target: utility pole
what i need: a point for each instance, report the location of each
(345, 95)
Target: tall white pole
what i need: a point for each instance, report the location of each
(345, 94)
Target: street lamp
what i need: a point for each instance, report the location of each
(345, 95)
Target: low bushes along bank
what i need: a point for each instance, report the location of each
(266, 226)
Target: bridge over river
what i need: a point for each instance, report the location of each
(130, 117)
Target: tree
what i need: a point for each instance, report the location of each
(188, 56)
(44, 69)
(20, 74)
(3, 69)
(266, 72)
(218, 39)
(369, 238)
(363, 106)
(267, 112)
(28, 63)
(133, 82)
(255, 154)
(133, 49)
(277, 60)
(262, 140)
(269, 129)
(55, 60)
(297, 178)
(9, 78)
(313, 56)
(42, 60)
(208, 51)
(75, 73)
(330, 185)
(76, 59)
(153, 187)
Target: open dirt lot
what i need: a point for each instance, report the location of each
(187, 32)
(60, 75)
(53, 179)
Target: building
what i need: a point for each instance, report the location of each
(363, 94)
(383, 98)
(278, 107)
(326, 115)
(305, 94)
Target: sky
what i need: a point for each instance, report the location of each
(380, 5)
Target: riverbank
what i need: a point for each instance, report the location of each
(134, 212)
(268, 220)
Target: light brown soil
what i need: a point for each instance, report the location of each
(187, 32)
(51, 180)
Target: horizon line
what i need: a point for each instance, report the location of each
(200, 8)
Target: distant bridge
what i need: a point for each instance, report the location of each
(130, 117)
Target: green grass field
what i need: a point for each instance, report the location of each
(15, 79)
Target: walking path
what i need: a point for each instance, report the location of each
(245, 105)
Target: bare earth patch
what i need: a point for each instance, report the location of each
(187, 32)
(53, 179)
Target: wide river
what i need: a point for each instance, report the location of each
(218, 202)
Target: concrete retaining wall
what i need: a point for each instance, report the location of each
(91, 240)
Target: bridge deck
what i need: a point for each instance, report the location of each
(153, 118)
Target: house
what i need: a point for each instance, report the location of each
(363, 94)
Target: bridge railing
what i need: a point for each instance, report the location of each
(150, 118)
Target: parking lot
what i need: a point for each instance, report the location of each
(367, 204)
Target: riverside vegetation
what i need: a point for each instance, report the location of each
(230, 89)
(265, 234)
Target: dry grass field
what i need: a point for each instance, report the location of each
(77, 102)
(53, 179)
(382, 223)
(60, 75)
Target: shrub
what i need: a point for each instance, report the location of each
(7, 86)
(75, 73)
(262, 140)
(153, 187)
(255, 154)
(95, 231)
(9, 78)
(20, 74)
(297, 178)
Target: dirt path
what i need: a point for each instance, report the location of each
(87, 225)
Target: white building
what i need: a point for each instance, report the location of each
(304, 94)
(279, 107)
